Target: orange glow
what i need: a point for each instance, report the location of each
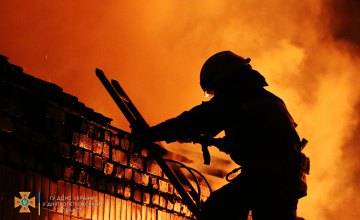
(209, 94)
(308, 52)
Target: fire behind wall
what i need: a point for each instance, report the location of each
(71, 161)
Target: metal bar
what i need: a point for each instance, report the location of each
(128, 101)
(173, 179)
(184, 179)
(126, 107)
(114, 95)
(137, 114)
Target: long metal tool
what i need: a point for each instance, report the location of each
(182, 178)
(133, 116)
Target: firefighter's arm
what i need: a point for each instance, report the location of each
(198, 121)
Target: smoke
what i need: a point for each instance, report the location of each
(343, 29)
(338, 178)
(307, 50)
(351, 152)
(344, 22)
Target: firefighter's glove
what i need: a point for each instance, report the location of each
(141, 131)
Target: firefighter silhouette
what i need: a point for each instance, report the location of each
(260, 136)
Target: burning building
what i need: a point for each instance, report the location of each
(62, 160)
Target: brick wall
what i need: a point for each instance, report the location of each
(83, 168)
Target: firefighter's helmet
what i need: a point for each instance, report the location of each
(225, 66)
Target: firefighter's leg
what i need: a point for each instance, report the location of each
(275, 208)
(229, 202)
(273, 196)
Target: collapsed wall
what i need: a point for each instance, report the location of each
(71, 160)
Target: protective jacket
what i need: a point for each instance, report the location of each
(259, 131)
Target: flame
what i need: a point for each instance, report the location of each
(308, 51)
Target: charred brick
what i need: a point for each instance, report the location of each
(127, 192)
(107, 136)
(137, 177)
(101, 183)
(59, 131)
(106, 151)
(163, 186)
(97, 162)
(119, 172)
(69, 173)
(73, 122)
(90, 180)
(119, 156)
(125, 142)
(136, 162)
(162, 202)
(98, 147)
(85, 142)
(64, 150)
(110, 187)
(146, 198)
(177, 206)
(128, 174)
(154, 182)
(75, 139)
(141, 178)
(81, 177)
(115, 141)
(144, 153)
(87, 128)
(137, 195)
(6, 124)
(155, 199)
(78, 155)
(153, 168)
(170, 204)
(108, 168)
(120, 189)
(97, 133)
(87, 159)
(11, 107)
(55, 114)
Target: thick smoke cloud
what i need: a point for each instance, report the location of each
(307, 50)
(345, 21)
(343, 27)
